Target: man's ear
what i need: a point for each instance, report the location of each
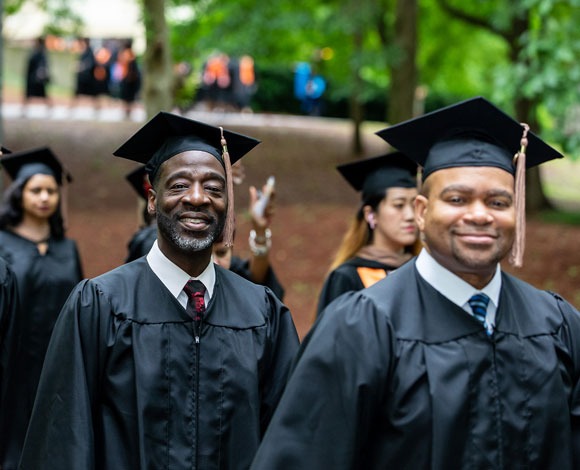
(151, 199)
(421, 205)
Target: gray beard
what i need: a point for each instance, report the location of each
(168, 228)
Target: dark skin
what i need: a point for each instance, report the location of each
(467, 218)
(190, 195)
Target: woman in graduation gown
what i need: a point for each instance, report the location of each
(383, 235)
(47, 267)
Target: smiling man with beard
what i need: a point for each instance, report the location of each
(449, 362)
(169, 361)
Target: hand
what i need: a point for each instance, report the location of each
(260, 224)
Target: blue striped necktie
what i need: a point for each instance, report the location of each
(478, 304)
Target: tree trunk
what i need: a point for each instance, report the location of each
(158, 76)
(356, 107)
(404, 72)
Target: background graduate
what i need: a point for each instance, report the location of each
(47, 266)
(383, 234)
(448, 362)
(169, 361)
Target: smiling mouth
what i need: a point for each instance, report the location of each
(195, 223)
(477, 238)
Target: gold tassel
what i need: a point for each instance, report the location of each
(517, 253)
(228, 236)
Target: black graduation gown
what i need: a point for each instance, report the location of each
(141, 242)
(397, 376)
(242, 267)
(144, 238)
(126, 386)
(37, 74)
(44, 283)
(8, 337)
(345, 278)
(86, 83)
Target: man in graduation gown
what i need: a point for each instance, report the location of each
(145, 372)
(415, 373)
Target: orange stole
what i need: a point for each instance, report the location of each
(369, 276)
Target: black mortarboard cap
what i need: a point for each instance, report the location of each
(26, 163)
(374, 175)
(167, 135)
(473, 132)
(139, 181)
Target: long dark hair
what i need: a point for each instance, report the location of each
(12, 212)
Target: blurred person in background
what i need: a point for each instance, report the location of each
(37, 74)
(86, 83)
(47, 267)
(126, 75)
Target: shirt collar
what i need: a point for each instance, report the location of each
(452, 286)
(175, 278)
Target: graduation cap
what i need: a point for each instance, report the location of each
(139, 182)
(26, 163)
(167, 135)
(474, 133)
(374, 175)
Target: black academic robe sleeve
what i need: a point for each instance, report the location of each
(141, 242)
(242, 268)
(341, 280)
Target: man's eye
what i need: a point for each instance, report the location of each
(455, 200)
(499, 203)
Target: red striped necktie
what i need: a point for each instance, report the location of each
(195, 291)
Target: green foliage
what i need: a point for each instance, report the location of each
(63, 21)
(560, 217)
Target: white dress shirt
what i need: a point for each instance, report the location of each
(456, 289)
(175, 278)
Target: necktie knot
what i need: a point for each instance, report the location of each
(195, 291)
(478, 304)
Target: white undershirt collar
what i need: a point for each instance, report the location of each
(175, 278)
(456, 289)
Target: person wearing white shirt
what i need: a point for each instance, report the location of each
(449, 362)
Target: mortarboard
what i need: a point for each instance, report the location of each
(139, 182)
(26, 163)
(474, 133)
(167, 135)
(470, 133)
(374, 175)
